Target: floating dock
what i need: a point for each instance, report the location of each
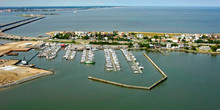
(131, 61)
(84, 56)
(50, 52)
(112, 62)
(70, 53)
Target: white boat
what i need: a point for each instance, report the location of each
(141, 67)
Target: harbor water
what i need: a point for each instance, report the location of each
(193, 83)
(193, 79)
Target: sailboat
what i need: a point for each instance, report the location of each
(141, 67)
(24, 62)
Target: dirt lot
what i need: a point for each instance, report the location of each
(17, 46)
(10, 72)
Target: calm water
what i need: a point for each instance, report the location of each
(193, 84)
(146, 19)
(193, 79)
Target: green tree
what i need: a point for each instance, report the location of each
(130, 45)
(179, 38)
(149, 40)
(175, 44)
(156, 37)
(187, 48)
(193, 48)
(73, 41)
(214, 48)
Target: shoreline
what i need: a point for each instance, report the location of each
(12, 74)
(187, 51)
(26, 79)
(147, 32)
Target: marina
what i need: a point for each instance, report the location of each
(84, 56)
(193, 78)
(137, 69)
(112, 62)
(50, 52)
(88, 56)
(70, 53)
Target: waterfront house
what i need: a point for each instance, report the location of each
(140, 36)
(151, 46)
(168, 46)
(175, 40)
(136, 45)
(218, 50)
(181, 46)
(166, 35)
(153, 39)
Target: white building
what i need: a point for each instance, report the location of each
(168, 45)
(140, 36)
(80, 33)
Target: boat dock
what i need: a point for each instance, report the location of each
(84, 56)
(50, 52)
(112, 62)
(70, 53)
(33, 57)
(161, 51)
(132, 61)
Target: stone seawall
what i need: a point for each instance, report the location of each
(132, 86)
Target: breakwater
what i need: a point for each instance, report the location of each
(21, 24)
(26, 79)
(155, 65)
(119, 84)
(15, 22)
(132, 86)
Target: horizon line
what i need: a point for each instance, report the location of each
(117, 6)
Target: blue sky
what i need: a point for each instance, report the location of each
(109, 3)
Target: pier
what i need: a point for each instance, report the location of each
(112, 62)
(33, 57)
(161, 51)
(131, 59)
(15, 22)
(84, 56)
(132, 86)
(21, 24)
(70, 53)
